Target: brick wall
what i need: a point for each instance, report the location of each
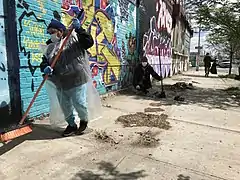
(112, 24)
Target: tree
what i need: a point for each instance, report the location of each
(222, 19)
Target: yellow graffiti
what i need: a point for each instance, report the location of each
(42, 8)
(32, 44)
(89, 13)
(107, 32)
(106, 25)
(113, 64)
(36, 30)
(100, 49)
(36, 57)
(66, 18)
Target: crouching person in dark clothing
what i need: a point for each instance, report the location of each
(141, 78)
(71, 72)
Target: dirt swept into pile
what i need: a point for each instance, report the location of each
(155, 104)
(153, 110)
(147, 139)
(142, 119)
(103, 137)
(179, 86)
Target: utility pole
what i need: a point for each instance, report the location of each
(199, 44)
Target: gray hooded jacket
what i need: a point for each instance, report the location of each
(69, 70)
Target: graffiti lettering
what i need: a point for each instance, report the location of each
(154, 40)
(164, 20)
(124, 9)
(2, 67)
(158, 38)
(30, 26)
(102, 18)
(101, 26)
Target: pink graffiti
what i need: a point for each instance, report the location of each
(154, 40)
(66, 4)
(158, 36)
(164, 20)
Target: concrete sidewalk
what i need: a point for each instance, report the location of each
(202, 144)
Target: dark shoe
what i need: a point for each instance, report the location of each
(70, 130)
(83, 126)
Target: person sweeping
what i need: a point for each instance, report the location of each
(71, 74)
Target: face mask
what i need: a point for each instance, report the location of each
(54, 38)
(144, 64)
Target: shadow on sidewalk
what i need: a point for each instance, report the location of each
(40, 132)
(201, 76)
(107, 171)
(205, 97)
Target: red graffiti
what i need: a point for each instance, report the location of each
(95, 84)
(95, 71)
(104, 4)
(67, 3)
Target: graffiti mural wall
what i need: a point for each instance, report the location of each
(4, 87)
(112, 24)
(157, 35)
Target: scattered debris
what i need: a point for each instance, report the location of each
(195, 82)
(234, 92)
(231, 76)
(155, 104)
(103, 137)
(180, 85)
(182, 177)
(147, 139)
(142, 119)
(179, 98)
(107, 106)
(153, 110)
(161, 95)
(232, 89)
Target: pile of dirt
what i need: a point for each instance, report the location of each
(179, 86)
(104, 138)
(147, 139)
(140, 119)
(153, 110)
(232, 89)
(230, 76)
(233, 92)
(155, 104)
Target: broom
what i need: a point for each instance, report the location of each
(21, 128)
(162, 94)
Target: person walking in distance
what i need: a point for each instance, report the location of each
(207, 64)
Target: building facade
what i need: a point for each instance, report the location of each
(165, 35)
(123, 30)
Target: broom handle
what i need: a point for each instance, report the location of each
(46, 76)
(160, 64)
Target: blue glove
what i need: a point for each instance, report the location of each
(76, 23)
(48, 70)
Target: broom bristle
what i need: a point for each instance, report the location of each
(15, 133)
